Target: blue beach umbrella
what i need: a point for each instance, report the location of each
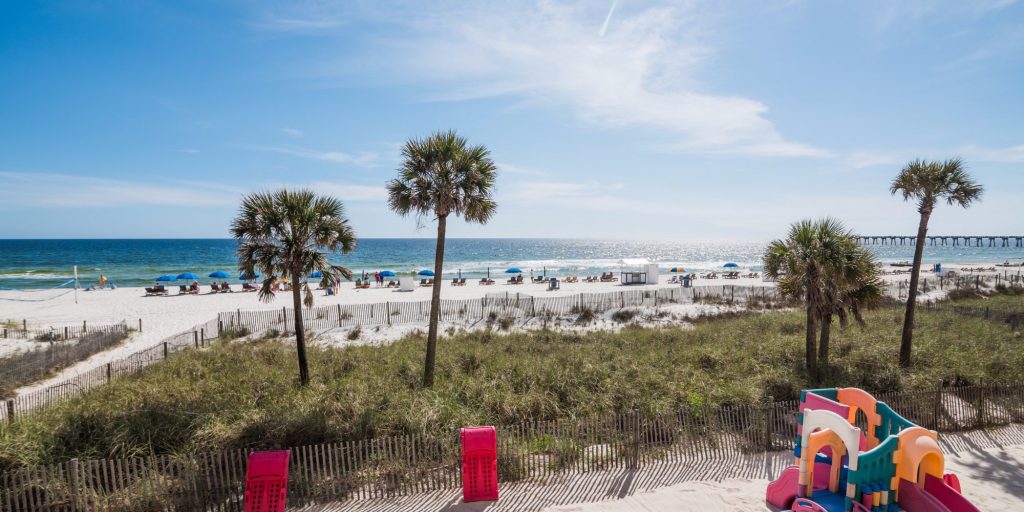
(166, 278)
(730, 265)
(316, 275)
(513, 270)
(387, 273)
(248, 277)
(188, 275)
(428, 273)
(219, 275)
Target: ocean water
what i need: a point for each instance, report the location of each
(34, 264)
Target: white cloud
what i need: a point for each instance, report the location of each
(350, 192)
(588, 196)
(1012, 154)
(292, 132)
(51, 190)
(65, 191)
(363, 159)
(188, 151)
(641, 74)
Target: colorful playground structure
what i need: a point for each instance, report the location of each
(895, 465)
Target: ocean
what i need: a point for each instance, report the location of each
(35, 264)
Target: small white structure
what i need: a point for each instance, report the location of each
(406, 283)
(639, 271)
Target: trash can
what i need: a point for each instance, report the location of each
(479, 464)
(266, 481)
(686, 281)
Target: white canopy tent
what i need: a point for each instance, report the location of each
(641, 271)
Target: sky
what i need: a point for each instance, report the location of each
(607, 119)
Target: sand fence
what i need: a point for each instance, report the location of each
(702, 442)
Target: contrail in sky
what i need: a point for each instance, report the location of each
(604, 26)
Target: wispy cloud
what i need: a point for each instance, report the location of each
(292, 132)
(188, 151)
(970, 153)
(643, 74)
(65, 191)
(1012, 154)
(362, 159)
(587, 196)
(62, 191)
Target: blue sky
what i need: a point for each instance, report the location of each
(628, 119)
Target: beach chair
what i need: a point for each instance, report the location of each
(248, 287)
(553, 284)
(214, 288)
(226, 288)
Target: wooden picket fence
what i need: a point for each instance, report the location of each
(199, 336)
(493, 306)
(61, 349)
(408, 464)
(51, 333)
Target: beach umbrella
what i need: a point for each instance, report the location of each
(387, 273)
(188, 275)
(248, 277)
(425, 272)
(513, 270)
(730, 265)
(219, 275)
(677, 270)
(316, 275)
(166, 278)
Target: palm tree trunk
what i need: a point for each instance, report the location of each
(826, 333)
(857, 316)
(300, 332)
(906, 343)
(811, 358)
(435, 303)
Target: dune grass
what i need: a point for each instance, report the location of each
(245, 393)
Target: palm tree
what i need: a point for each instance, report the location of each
(820, 264)
(926, 182)
(851, 286)
(290, 233)
(443, 175)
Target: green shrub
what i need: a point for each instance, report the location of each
(623, 316)
(246, 395)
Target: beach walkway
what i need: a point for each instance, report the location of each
(990, 465)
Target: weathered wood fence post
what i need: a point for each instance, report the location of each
(10, 411)
(73, 483)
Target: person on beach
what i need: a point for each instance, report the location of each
(195, 287)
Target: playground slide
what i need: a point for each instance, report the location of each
(782, 492)
(947, 495)
(915, 499)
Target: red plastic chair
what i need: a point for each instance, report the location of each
(479, 464)
(266, 482)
